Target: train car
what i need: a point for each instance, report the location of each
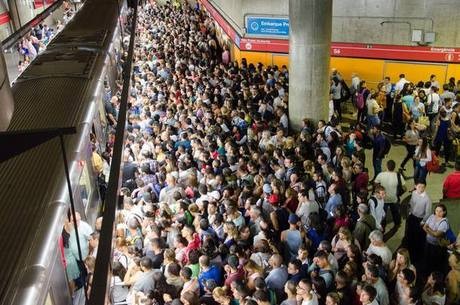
(63, 87)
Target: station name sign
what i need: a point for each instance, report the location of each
(267, 26)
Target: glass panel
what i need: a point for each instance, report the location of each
(85, 185)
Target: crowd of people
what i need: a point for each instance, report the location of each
(36, 41)
(224, 204)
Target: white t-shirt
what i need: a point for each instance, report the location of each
(389, 180)
(384, 252)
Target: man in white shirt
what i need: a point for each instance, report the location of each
(376, 206)
(400, 84)
(379, 248)
(389, 180)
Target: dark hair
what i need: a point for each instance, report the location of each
(261, 295)
(373, 270)
(186, 273)
(439, 285)
(146, 262)
(409, 275)
(371, 291)
(443, 207)
(118, 270)
(296, 263)
(391, 165)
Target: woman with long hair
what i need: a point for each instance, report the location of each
(305, 293)
(253, 271)
(400, 262)
(434, 292)
(398, 120)
(411, 138)
(422, 157)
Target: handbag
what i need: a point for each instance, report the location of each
(424, 120)
(400, 189)
(448, 238)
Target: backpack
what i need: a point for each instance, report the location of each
(387, 145)
(374, 200)
(360, 102)
(434, 165)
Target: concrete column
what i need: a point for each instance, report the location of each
(21, 12)
(6, 97)
(310, 23)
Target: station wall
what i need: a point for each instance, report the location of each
(367, 21)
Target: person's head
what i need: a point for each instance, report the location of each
(333, 298)
(413, 296)
(379, 192)
(275, 261)
(372, 272)
(294, 266)
(391, 165)
(345, 234)
(321, 259)
(326, 246)
(403, 257)
(406, 277)
(363, 209)
(186, 274)
(420, 187)
(302, 253)
(304, 287)
(261, 297)
(341, 279)
(454, 260)
(290, 288)
(204, 262)
(220, 295)
(375, 130)
(146, 263)
(436, 281)
(376, 237)
(440, 210)
(368, 294)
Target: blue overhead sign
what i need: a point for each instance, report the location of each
(267, 26)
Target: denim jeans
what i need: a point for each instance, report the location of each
(420, 173)
(377, 162)
(372, 120)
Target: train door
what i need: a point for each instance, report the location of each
(415, 71)
(59, 292)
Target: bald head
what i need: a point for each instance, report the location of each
(276, 260)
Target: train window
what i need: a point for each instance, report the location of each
(85, 185)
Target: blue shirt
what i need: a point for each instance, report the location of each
(333, 202)
(212, 273)
(408, 100)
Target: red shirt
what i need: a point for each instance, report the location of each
(194, 244)
(361, 181)
(238, 275)
(452, 185)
